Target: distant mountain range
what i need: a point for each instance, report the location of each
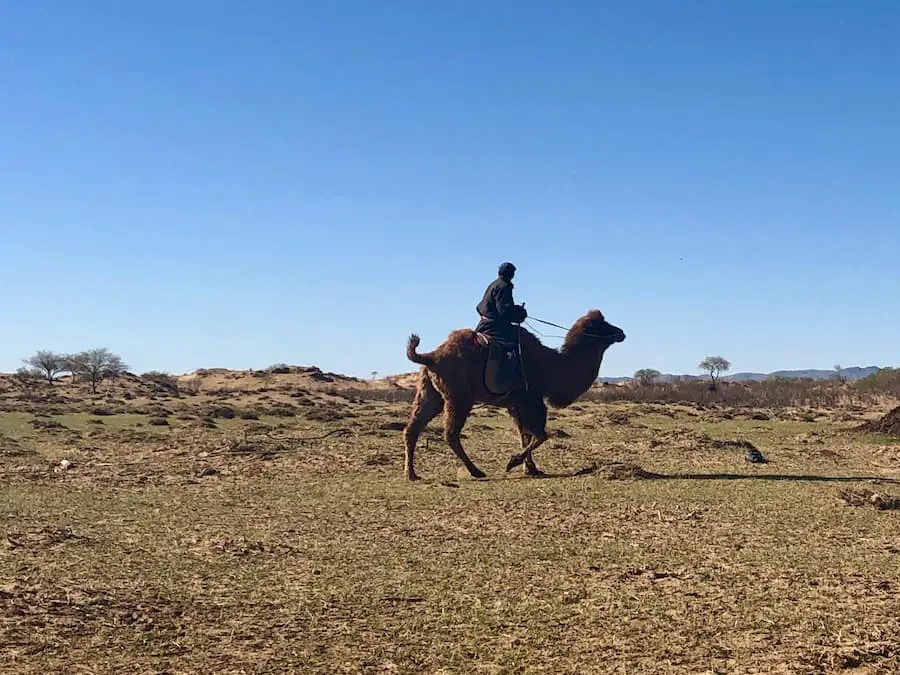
(854, 373)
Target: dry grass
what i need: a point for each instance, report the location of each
(292, 544)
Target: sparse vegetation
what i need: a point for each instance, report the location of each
(162, 379)
(269, 516)
(26, 378)
(774, 392)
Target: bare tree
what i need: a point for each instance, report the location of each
(48, 363)
(95, 365)
(715, 365)
(646, 376)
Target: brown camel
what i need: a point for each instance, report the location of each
(452, 380)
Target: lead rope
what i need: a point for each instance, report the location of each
(521, 358)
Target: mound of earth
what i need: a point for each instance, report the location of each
(889, 424)
(616, 471)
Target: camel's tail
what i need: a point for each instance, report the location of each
(411, 353)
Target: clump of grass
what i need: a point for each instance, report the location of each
(47, 424)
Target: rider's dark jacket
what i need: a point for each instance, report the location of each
(499, 312)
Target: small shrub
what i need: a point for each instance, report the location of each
(221, 412)
(325, 415)
(248, 414)
(161, 379)
(158, 422)
(279, 369)
(282, 411)
(46, 424)
(101, 412)
(189, 387)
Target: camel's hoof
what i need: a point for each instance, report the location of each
(477, 473)
(411, 476)
(535, 473)
(514, 461)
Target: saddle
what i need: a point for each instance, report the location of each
(503, 373)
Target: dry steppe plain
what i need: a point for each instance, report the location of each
(261, 524)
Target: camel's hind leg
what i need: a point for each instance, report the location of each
(426, 406)
(456, 412)
(531, 420)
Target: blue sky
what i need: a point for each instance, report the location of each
(223, 183)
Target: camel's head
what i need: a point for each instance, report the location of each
(594, 326)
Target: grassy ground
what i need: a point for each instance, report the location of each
(248, 545)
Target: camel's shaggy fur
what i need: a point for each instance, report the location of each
(452, 380)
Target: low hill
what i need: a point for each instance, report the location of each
(853, 373)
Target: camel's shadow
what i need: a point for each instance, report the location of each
(783, 477)
(630, 472)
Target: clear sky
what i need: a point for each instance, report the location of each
(201, 183)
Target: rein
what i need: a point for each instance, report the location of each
(547, 323)
(561, 337)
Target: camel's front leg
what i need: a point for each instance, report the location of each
(530, 467)
(531, 421)
(524, 438)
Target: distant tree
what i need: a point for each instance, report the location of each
(374, 374)
(49, 364)
(839, 373)
(715, 366)
(95, 365)
(646, 376)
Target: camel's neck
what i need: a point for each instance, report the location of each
(576, 371)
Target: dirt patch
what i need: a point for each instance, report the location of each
(10, 447)
(62, 614)
(392, 426)
(690, 439)
(42, 537)
(619, 417)
(616, 471)
(864, 497)
(380, 459)
(889, 424)
(328, 414)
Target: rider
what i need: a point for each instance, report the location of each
(498, 311)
